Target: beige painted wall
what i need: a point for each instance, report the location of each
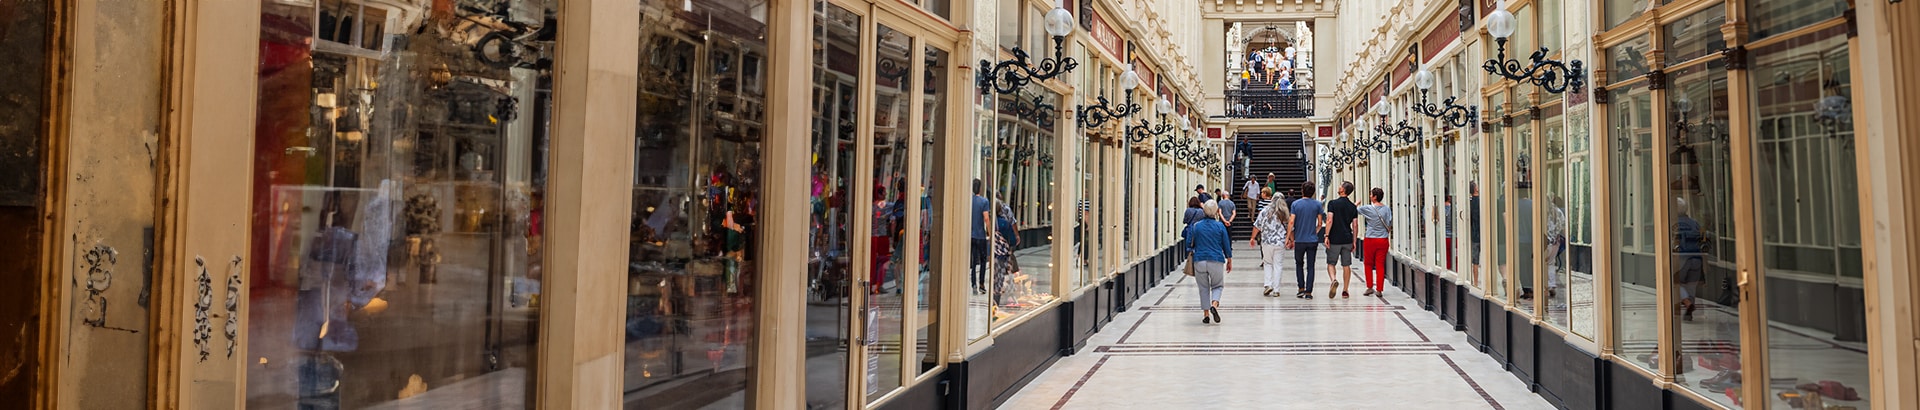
(114, 120)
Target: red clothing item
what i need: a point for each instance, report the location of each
(1375, 257)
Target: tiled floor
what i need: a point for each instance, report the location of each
(1358, 353)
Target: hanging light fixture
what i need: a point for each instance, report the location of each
(1093, 116)
(1143, 132)
(1551, 75)
(1406, 133)
(1011, 75)
(1452, 114)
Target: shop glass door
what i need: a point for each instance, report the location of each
(399, 177)
(692, 248)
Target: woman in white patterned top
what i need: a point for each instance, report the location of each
(1270, 236)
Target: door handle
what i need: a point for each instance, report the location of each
(1746, 278)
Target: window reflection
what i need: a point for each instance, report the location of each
(690, 311)
(934, 164)
(893, 92)
(1630, 176)
(1808, 196)
(835, 103)
(1699, 185)
(399, 172)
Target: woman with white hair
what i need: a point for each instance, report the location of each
(1270, 237)
(1208, 243)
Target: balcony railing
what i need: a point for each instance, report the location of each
(1269, 103)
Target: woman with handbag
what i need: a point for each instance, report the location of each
(1210, 248)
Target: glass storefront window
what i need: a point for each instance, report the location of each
(1772, 17)
(934, 163)
(1019, 276)
(1628, 59)
(1525, 236)
(1630, 181)
(1700, 190)
(1697, 35)
(690, 310)
(1619, 11)
(1553, 213)
(1808, 205)
(886, 268)
(1502, 173)
(399, 175)
(837, 32)
(1577, 245)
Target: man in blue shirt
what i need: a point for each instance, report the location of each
(1201, 190)
(982, 246)
(1308, 215)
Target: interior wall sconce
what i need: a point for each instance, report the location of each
(1143, 132)
(1551, 75)
(1453, 114)
(1009, 76)
(1093, 116)
(1406, 133)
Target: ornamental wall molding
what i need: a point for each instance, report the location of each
(1255, 10)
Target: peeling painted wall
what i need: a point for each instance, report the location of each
(115, 123)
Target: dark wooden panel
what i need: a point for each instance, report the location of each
(923, 396)
(1477, 322)
(1628, 390)
(1016, 357)
(1525, 349)
(1498, 343)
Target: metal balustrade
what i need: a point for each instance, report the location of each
(1269, 103)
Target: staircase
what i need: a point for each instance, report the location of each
(1273, 152)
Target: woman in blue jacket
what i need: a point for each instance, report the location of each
(1208, 243)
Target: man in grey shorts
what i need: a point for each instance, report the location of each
(1344, 221)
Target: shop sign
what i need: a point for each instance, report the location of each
(1325, 131)
(1213, 133)
(1401, 72)
(1440, 37)
(1146, 75)
(1105, 35)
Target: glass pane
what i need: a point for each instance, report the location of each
(892, 152)
(1476, 226)
(1619, 11)
(933, 164)
(836, 46)
(1697, 35)
(1502, 173)
(690, 310)
(1577, 243)
(24, 91)
(1771, 17)
(1629, 59)
(1709, 324)
(1630, 179)
(1552, 26)
(1553, 214)
(1816, 318)
(398, 192)
(1525, 236)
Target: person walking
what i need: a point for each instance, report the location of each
(1201, 191)
(1194, 213)
(982, 217)
(1342, 221)
(1270, 237)
(1211, 249)
(1228, 213)
(1266, 199)
(1379, 228)
(1253, 191)
(1308, 215)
